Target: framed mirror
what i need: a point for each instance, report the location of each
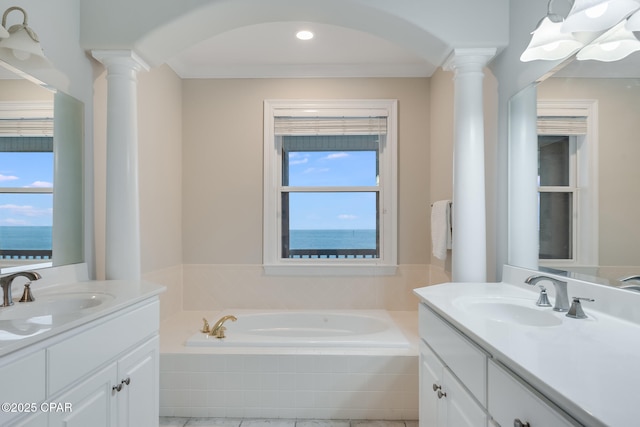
(41, 175)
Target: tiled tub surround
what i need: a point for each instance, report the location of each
(286, 382)
(586, 367)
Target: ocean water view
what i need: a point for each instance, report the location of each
(332, 239)
(25, 237)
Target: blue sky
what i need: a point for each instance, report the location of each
(26, 170)
(329, 211)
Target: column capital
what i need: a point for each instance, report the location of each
(120, 57)
(474, 57)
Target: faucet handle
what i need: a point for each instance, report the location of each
(543, 299)
(575, 311)
(205, 326)
(27, 295)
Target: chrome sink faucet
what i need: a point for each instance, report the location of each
(562, 298)
(6, 281)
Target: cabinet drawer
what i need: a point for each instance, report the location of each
(511, 399)
(82, 353)
(465, 359)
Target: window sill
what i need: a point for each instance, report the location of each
(330, 270)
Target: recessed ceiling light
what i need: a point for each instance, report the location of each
(304, 35)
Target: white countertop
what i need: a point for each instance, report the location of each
(19, 333)
(589, 367)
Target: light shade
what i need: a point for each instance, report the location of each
(633, 23)
(597, 15)
(549, 43)
(613, 45)
(22, 47)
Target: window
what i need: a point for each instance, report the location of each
(26, 181)
(567, 179)
(330, 187)
(557, 196)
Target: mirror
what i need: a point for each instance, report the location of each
(41, 175)
(611, 175)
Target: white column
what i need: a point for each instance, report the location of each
(469, 254)
(123, 212)
(523, 180)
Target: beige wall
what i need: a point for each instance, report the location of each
(23, 90)
(223, 161)
(222, 196)
(201, 189)
(619, 151)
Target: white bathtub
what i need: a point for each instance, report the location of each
(337, 364)
(309, 328)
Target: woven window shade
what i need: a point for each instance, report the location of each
(26, 127)
(562, 125)
(330, 126)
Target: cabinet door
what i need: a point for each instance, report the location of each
(511, 399)
(92, 402)
(138, 398)
(462, 409)
(39, 420)
(431, 412)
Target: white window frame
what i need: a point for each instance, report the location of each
(15, 122)
(584, 182)
(386, 264)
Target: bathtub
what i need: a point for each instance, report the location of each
(309, 328)
(344, 364)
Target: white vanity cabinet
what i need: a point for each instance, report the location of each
(444, 401)
(461, 384)
(512, 401)
(125, 393)
(101, 373)
(449, 364)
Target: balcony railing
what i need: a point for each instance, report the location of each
(333, 253)
(25, 253)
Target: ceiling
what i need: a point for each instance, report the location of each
(272, 50)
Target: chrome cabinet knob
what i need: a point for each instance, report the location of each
(441, 394)
(436, 387)
(126, 381)
(117, 388)
(518, 423)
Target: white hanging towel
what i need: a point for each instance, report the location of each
(441, 228)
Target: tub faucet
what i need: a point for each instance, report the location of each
(6, 281)
(217, 330)
(562, 298)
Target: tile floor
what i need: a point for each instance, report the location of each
(242, 422)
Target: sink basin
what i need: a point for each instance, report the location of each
(507, 310)
(54, 305)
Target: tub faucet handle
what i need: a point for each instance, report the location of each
(205, 326)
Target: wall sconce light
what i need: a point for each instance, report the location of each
(613, 45)
(549, 43)
(22, 46)
(597, 15)
(602, 22)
